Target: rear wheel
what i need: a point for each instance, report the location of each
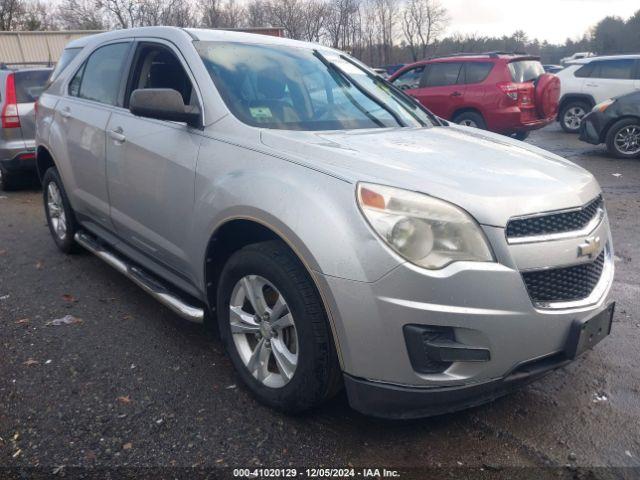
(60, 217)
(623, 138)
(470, 119)
(572, 114)
(274, 328)
(7, 180)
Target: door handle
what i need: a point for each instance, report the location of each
(592, 85)
(456, 94)
(65, 112)
(117, 135)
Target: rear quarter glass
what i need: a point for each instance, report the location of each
(65, 59)
(30, 84)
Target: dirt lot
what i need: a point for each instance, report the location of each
(133, 384)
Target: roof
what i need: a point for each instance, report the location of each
(195, 34)
(35, 47)
(581, 61)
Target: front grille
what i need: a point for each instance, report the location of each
(564, 284)
(554, 222)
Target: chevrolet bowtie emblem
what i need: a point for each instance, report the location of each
(590, 247)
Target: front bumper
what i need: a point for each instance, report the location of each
(592, 127)
(486, 305)
(401, 402)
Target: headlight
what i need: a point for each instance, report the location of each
(428, 232)
(602, 106)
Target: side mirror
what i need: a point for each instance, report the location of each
(163, 104)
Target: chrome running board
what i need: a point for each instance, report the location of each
(149, 284)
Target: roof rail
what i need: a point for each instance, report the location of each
(477, 54)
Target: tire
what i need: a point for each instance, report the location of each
(7, 180)
(520, 135)
(316, 376)
(571, 115)
(63, 214)
(630, 127)
(471, 119)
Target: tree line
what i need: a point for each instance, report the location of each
(380, 32)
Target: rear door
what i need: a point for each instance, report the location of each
(442, 88)
(610, 78)
(82, 116)
(29, 85)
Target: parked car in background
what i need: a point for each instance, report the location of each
(335, 231)
(615, 122)
(505, 93)
(19, 90)
(577, 56)
(552, 68)
(590, 81)
(382, 72)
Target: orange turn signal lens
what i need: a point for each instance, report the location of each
(371, 199)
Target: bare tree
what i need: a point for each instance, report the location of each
(386, 15)
(342, 15)
(422, 23)
(81, 15)
(216, 14)
(256, 14)
(10, 13)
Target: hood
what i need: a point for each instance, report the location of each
(491, 176)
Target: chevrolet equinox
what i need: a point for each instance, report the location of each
(336, 232)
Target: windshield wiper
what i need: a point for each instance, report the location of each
(412, 102)
(332, 66)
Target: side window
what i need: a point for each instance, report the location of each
(100, 76)
(476, 72)
(442, 74)
(584, 71)
(409, 79)
(156, 66)
(614, 69)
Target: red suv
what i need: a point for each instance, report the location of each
(505, 93)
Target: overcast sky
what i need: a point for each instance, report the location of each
(551, 20)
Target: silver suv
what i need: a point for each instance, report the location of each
(332, 229)
(19, 89)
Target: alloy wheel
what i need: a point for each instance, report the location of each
(573, 117)
(263, 331)
(627, 140)
(469, 123)
(55, 207)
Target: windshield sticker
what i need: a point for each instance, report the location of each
(261, 113)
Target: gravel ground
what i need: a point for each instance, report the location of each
(131, 384)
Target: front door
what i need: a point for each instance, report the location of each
(151, 164)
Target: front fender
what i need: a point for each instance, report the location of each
(315, 213)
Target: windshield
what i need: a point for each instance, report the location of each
(302, 89)
(525, 70)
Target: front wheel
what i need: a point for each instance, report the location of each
(275, 330)
(520, 135)
(470, 119)
(571, 116)
(60, 217)
(623, 138)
